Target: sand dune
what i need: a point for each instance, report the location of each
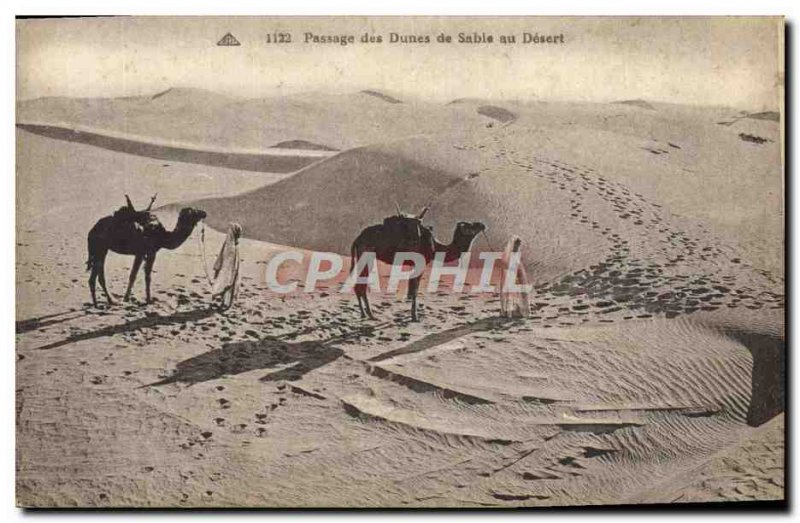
(302, 145)
(772, 116)
(275, 160)
(209, 120)
(382, 96)
(642, 104)
(529, 180)
(497, 113)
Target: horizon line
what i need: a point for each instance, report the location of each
(402, 97)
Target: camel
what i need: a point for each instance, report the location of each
(134, 233)
(406, 233)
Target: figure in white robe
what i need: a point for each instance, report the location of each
(514, 286)
(226, 268)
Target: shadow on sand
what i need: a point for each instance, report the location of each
(270, 163)
(134, 325)
(434, 340)
(40, 322)
(768, 380)
(292, 360)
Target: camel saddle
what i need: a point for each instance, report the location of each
(409, 231)
(139, 220)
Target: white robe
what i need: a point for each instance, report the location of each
(513, 303)
(226, 268)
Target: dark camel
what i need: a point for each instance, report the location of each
(406, 233)
(134, 233)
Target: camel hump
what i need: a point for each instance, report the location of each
(404, 231)
(139, 220)
(401, 224)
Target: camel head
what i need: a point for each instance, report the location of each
(465, 234)
(187, 219)
(469, 229)
(189, 216)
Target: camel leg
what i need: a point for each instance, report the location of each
(137, 262)
(96, 257)
(93, 285)
(366, 306)
(149, 260)
(413, 287)
(363, 301)
(361, 290)
(101, 273)
(361, 306)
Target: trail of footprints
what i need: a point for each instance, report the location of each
(680, 274)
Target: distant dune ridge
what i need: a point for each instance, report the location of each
(638, 103)
(162, 93)
(498, 113)
(209, 119)
(772, 116)
(382, 96)
(303, 145)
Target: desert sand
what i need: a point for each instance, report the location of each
(650, 371)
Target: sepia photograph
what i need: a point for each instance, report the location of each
(400, 262)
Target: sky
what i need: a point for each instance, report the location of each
(734, 62)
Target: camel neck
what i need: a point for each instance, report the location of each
(175, 238)
(460, 244)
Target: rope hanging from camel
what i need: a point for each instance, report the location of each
(202, 240)
(486, 236)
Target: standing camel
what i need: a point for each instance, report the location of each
(406, 233)
(134, 233)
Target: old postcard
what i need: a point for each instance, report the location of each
(399, 261)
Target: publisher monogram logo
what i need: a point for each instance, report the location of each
(228, 40)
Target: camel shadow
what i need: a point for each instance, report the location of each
(40, 322)
(291, 360)
(149, 321)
